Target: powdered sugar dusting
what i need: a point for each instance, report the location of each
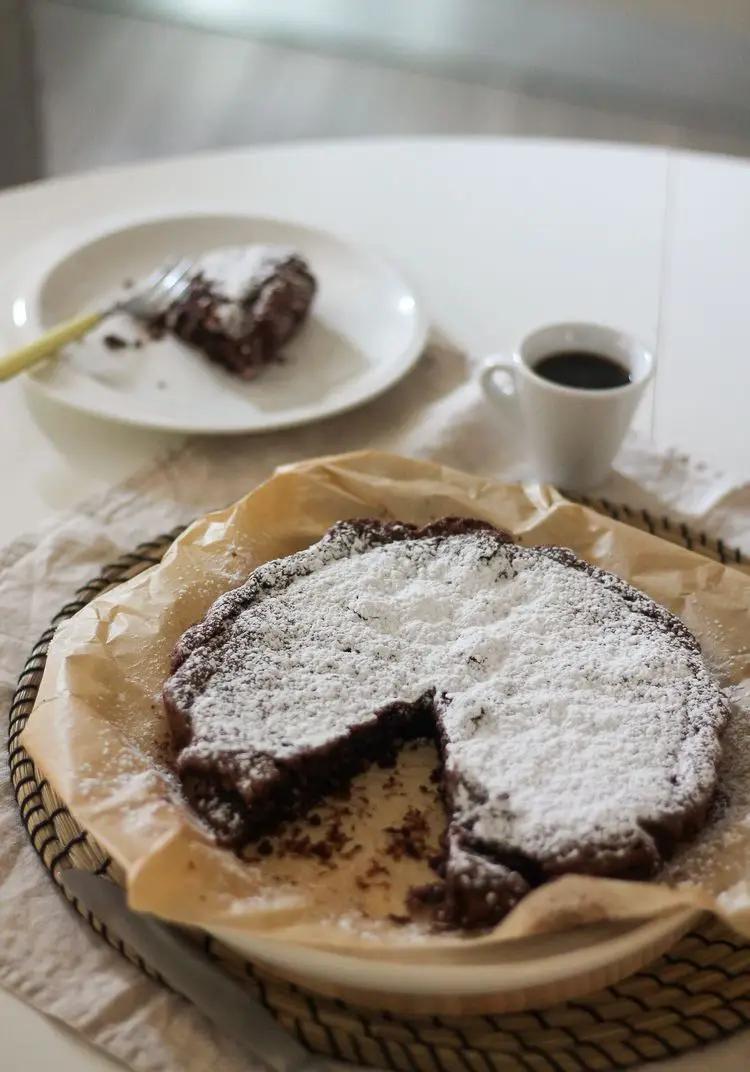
(727, 837)
(574, 715)
(236, 273)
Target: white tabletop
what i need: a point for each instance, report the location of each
(498, 236)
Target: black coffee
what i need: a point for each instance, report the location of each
(579, 368)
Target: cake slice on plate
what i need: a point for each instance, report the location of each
(242, 305)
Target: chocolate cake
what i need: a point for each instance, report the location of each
(242, 305)
(577, 725)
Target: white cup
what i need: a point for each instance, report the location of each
(573, 433)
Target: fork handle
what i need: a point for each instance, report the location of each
(49, 343)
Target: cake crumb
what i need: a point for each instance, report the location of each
(115, 342)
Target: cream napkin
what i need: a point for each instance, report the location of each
(47, 956)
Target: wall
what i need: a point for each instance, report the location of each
(19, 149)
(115, 89)
(688, 58)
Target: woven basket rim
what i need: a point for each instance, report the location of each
(590, 1038)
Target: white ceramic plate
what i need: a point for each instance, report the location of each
(523, 974)
(366, 330)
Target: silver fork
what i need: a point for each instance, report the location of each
(161, 288)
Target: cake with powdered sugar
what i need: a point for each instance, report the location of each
(242, 305)
(577, 726)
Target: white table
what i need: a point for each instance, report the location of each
(498, 236)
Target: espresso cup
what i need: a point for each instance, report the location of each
(573, 432)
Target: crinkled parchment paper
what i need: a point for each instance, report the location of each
(98, 730)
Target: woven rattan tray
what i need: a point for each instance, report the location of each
(696, 993)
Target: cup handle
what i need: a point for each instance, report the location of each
(498, 379)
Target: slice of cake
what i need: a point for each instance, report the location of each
(577, 725)
(242, 306)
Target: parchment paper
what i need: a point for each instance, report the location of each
(98, 731)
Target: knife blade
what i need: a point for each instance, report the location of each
(191, 973)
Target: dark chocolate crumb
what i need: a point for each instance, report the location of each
(156, 329)
(348, 854)
(431, 894)
(115, 342)
(410, 838)
(375, 868)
